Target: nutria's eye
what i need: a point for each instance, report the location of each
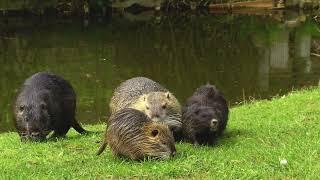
(154, 132)
(21, 108)
(164, 106)
(147, 107)
(197, 112)
(164, 143)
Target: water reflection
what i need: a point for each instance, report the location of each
(244, 55)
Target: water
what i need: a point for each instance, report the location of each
(246, 56)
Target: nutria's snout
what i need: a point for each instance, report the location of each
(32, 136)
(214, 124)
(155, 116)
(155, 119)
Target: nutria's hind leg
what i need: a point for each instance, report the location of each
(78, 127)
(56, 136)
(59, 133)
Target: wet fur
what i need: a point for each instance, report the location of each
(205, 104)
(49, 104)
(129, 134)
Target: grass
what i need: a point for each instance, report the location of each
(259, 135)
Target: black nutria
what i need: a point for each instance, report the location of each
(133, 135)
(151, 98)
(205, 116)
(45, 103)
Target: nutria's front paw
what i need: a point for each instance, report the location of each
(195, 143)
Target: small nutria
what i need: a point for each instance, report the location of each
(134, 135)
(205, 116)
(151, 98)
(45, 103)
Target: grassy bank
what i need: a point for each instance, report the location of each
(259, 135)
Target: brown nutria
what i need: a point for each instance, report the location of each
(134, 135)
(205, 115)
(45, 103)
(151, 98)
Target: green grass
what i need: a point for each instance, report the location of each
(258, 136)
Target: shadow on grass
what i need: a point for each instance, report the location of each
(231, 136)
(229, 139)
(66, 137)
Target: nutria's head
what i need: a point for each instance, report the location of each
(158, 142)
(203, 118)
(32, 119)
(209, 91)
(132, 134)
(157, 104)
(161, 107)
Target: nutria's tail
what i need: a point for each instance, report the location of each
(78, 127)
(102, 148)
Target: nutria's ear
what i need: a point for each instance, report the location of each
(144, 98)
(154, 132)
(168, 95)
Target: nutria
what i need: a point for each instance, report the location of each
(45, 103)
(151, 98)
(205, 116)
(134, 135)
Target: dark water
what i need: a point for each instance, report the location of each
(246, 56)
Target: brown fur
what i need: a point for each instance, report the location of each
(132, 134)
(150, 98)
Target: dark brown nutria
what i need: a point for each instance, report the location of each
(45, 103)
(205, 116)
(151, 98)
(134, 135)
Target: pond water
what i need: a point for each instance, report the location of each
(245, 56)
